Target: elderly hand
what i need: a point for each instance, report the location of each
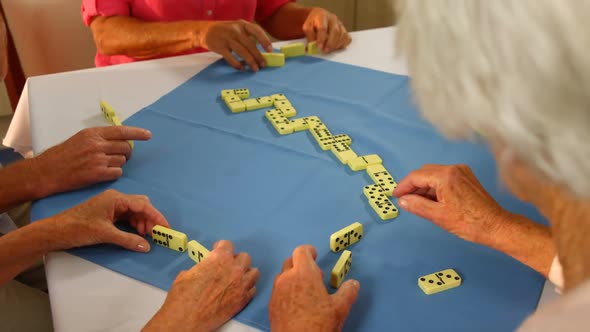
(299, 300)
(225, 37)
(92, 222)
(327, 30)
(209, 294)
(452, 198)
(92, 155)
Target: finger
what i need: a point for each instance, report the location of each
(138, 207)
(334, 34)
(231, 60)
(141, 228)
(250, 45)
(304, 256)
(348, 38)
(224, 245)
(116, 160)
(345, 297)
(249, 295)
(419, 179)
(245, 54)
(287, 264)
(322, 32)
(250, 278)
(423, 207)
(110, 173)
(243, 260)
(118, 147)
(309, 31)
(258, 33)
(124, 133)
(126, 240)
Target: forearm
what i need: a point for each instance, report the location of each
(524, 240)
(287, 22)
(124, 35)
(21, 248)
(19, 183)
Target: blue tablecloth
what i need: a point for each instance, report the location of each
(217, 175)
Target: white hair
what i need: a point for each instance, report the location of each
(516, 71)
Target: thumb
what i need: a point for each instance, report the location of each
(421, 206)
(345, 297)
(129, 241)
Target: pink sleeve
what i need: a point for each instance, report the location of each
(265, 8)
(92, 8)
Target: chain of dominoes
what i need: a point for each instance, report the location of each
(281, 118)
(289, 51)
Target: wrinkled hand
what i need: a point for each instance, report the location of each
(92, 155)
(209, 294)
(92, 222)
(327, 30)
(452, 198)
(299, 300)
(225, 37)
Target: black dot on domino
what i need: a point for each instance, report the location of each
(422, 279)
(457, 278)
(430, 281)
(448, 276)
(193, 253)
(180, 249)
(337, 248)
(439, 283)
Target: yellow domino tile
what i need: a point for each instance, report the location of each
(346, 237)
(107, 110)
(293, 50)
(257, 103)
(299, 124)
(288, 111)
(343, 152)
(278, 96)
(327, 142)
(196, 251)
(231, 99)
(237, 107)
(383, 207)
(312, 48)
(115, 121)
(241, 93)
(341, 269)
(281, 103)
(361, 163)
(274, 59)
(169, 238)
(265, 101)
(439, 281)
(279, 121)
(382, 177)
(320, 132)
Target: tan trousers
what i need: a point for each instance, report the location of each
(24, 303)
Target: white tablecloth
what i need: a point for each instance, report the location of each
(85, 296)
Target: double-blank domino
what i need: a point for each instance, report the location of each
(439, 281)
(169, 238)
(274, 59)
(345, 237)
(341, 269)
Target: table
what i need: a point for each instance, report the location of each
(106, 297)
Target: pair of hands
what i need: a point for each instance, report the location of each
(241, 37)
(213, 291)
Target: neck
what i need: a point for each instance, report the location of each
(570, 225)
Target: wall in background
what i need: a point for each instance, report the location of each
(358, 14)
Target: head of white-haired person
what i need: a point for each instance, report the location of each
(516, 73)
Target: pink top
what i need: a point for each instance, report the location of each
(178, 10)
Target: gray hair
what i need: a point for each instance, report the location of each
(516, 71)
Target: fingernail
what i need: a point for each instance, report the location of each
(356, 284)
(143, 247)
(403, 202)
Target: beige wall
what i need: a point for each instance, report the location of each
(358, 14)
